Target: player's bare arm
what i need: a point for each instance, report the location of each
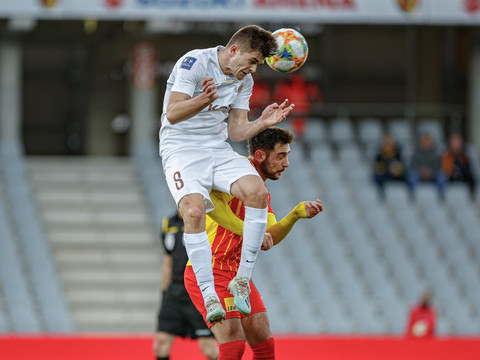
(240, 129)
(182, 107)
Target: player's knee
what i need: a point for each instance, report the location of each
(256, 196)
(161, 345)
(209, 348)
(192, 212)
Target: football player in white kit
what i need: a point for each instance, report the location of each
(207, 87)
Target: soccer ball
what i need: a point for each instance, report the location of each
(292, 51)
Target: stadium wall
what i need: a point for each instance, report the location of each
(288, 347)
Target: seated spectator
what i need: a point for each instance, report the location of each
(425, 165)
(456, 163)
(422, 318)
(388, 163)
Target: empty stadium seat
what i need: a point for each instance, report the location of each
(341, 130)
(370, 131)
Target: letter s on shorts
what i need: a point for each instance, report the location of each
(177, 177)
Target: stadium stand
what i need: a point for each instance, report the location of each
(356, 269)
(105, 245)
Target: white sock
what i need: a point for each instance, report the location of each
(200, 255)
(254, 226)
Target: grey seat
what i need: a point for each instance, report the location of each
(370, 130)
(341, 131)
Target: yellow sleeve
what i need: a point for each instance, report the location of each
(165, 225)
(223, 214)
(280, 230)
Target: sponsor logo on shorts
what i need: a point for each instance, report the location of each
(188, 62)
(229, 304)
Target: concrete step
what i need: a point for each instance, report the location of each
(76, 197)
(95, 256)
(105, 217)
(133, 236)
(148, 277)
(101, 234)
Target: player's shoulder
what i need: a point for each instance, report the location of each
(196, 58)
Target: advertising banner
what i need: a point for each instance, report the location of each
(464, 12)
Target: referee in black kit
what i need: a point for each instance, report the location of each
(178, 316)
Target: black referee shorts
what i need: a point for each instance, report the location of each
(179, 316)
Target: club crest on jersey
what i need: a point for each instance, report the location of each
(229, 79)
(188, 62)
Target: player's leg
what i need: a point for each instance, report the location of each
(231, 339)
(229, 333)
(197, 328)
(252, 192)
(189, 176)
(259, 336)
(209, 347)
(192, 208)
(162, 344)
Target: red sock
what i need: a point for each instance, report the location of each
(264, 350)
(232, 350)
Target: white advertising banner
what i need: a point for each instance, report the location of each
(319, 11)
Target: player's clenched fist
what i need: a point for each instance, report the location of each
(313, 208)
(267, 242)
(209, 88)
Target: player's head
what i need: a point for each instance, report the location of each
(269, 151)
(248, 48)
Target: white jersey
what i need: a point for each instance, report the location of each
(208, 128)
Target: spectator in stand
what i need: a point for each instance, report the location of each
(302, 94)
(388, 164)
(422, 318)
(426, 164)
(456, 162)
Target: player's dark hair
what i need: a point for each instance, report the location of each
(268, 138)
(253, 37)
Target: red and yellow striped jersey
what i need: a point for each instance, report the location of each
(226, 245)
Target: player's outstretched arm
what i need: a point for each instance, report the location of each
(304, 210)
(240, 129)
(223, 214)
(182, 107)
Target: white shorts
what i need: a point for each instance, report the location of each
(194, 170)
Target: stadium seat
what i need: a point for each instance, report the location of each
(457, 195)
(316, 133)
(401, 130)
(351, 156)
(397, 194)
(341, 131)
(370, 131)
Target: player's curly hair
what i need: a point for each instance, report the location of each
(253, 37)
(267, 139)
